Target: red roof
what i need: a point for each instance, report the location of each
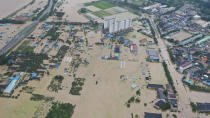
(205, 59)
(144, 39)
(134, 47)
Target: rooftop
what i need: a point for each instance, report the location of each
(152, 115)
(203, 106)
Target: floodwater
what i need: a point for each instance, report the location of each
(9, 6)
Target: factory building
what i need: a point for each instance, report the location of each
(117, 23)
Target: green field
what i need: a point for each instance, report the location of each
(139, 2)
(100, 4)
(101, 13)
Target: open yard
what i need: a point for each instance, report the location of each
(181, 36)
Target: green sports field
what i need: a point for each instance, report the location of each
(100, 4)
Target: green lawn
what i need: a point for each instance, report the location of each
(101, 13)
(100, 4)
(139, 2)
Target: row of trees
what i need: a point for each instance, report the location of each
(168, 76)
(3, 21)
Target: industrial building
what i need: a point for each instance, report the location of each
(153, 56)
(12, 84)
(118, 22)
(203, 107)
(152, 115)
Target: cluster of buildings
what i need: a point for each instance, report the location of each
(192, 57)
(157, 9)
(146, 30)
(185, 18)
(166, 96)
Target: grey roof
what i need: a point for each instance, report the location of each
(161, 94)
(152, 115)
(154, 86)
(153, 54)
(160, 103)
(203, 106)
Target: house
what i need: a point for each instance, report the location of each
(172, 101)
(155, 86)
(159, 104)
(173, 104)
(171, 96)
(203, 107)
(160, 93)
(153, 56)
(169, 88)
(152, 115)
(185, 66)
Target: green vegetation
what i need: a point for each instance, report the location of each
(59, 14)
(61, 110)
(101, 13)
(172, 58)
(133, 99)
(196, 87)
(199, 88)
(100, 4)
(3, 59)
(11, 21)
(53, 33)
(166, 106)
(126, 4)
(24, 48)
(38, 97)
(174, 116)
(32, 61)
(61, 53)
(168, 76)
(83, 10)
(139, 2)
(77, 86)
(193, 106)
(27, 89)
(55, 84)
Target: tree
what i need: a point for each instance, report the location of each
(3, 59)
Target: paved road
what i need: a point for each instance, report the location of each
(183, 95)
(22, 33)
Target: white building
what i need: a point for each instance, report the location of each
(117, 23)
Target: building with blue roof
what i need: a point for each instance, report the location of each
(12, 84)
(188, 81)
(34, 75)
(206, 82)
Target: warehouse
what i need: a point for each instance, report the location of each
(152, 115)
(203, 107)
(153, 56)
(12, 84)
